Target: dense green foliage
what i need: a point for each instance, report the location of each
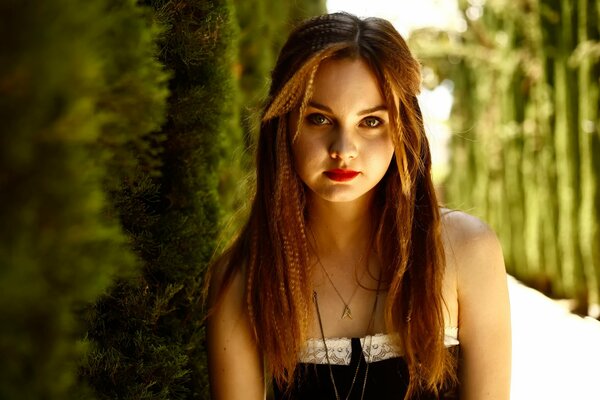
(121, 146)
(148, 334)
(62, 94)
(526, 130)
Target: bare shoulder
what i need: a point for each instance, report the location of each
(469, 242)
(473, 252)
(483, 306)
(225, 282)
(235, 363)
(463, 229)
(226, 296)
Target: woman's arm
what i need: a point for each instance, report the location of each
(484, 312)
(234, 361)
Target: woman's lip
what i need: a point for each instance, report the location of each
(341, 175)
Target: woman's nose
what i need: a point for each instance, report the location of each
(343, 145)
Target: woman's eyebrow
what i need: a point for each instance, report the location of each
(322, 107)
(373, 109)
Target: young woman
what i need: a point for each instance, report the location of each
(348, 281)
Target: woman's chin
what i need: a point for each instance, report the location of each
(338, 195)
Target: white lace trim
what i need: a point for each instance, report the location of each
(378, 347)
(451, 336)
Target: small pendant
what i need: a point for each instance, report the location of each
(347, 313)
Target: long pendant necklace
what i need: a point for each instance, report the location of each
(347, 312)
(367, 361)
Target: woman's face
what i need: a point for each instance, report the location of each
(344, 147)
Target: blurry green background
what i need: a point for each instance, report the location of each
(126, 154)
(525, 137)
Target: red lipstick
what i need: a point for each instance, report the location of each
(341, 175)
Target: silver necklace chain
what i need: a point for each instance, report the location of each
(367, 360)
(347, 313)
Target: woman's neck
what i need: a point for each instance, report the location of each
(341, 226)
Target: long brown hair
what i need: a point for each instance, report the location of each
(272, 250)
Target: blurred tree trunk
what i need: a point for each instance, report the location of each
(567, 153)
(587, 58)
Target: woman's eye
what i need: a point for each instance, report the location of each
(317, 119)
(372, 122)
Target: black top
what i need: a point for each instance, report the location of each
(386, 379)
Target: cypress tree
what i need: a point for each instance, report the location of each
(61, 245)
(566, 138)
(543, 38)
(147, 332)
(589, 135)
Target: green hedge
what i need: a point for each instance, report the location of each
(62, 90)
(121, 146)
(147, 333)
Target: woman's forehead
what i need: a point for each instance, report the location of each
(347, 83)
